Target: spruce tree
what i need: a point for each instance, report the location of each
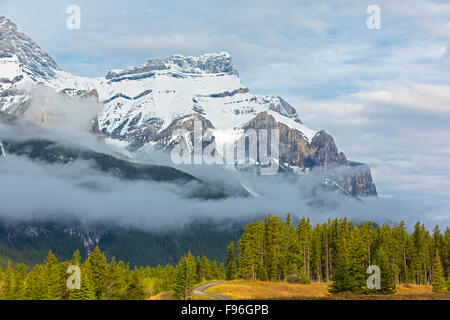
(52, 277)
(230, 265)
(87, 291)
(135, 290)
(341, 280)
(388, 283)
(20, 276)
(357, 270)
(185, 278)
(214, 270)
(261, 272)
(35, 286)
(222, 275)
(97, 269)
(8, 283)
(438, 282)
(179, 288)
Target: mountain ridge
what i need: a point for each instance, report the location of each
(141, 103)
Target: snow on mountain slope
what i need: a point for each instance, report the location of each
(146, 104)
(164, 90)
(152, 95)
(23, 64)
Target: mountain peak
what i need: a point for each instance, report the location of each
(16, 46)
(6, 23)
(209, 63)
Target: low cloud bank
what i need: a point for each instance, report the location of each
(31, 190)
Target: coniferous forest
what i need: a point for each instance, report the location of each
(337, 252)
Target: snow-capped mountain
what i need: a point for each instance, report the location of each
(144, 105)
(24, 64)
(164, 90)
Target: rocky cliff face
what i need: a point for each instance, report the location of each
(36, 63)
(321, 153)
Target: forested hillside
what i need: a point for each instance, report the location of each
(337, 252)
(30, 243)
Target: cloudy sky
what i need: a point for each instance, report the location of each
(383, 94)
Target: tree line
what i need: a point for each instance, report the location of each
(338, 252)
(104, 280)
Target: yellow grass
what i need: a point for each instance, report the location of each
(168, 296)
(201, 297)
(162, 296)
(413, 289)
(254, 290)
(259, 290)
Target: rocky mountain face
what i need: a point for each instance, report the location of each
(34, 62)
(145, 105)
(298, 154)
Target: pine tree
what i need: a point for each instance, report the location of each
(179, 288)
(203, 269)
(20, 276)
(52, 278)
(304, 242)
(273, 238)
(97, 269)
(86, 292)
(214, 270)
(222, 275)
(8, 283)
(340, 277)
(356, 258)
(35, 288)
(388, 283)
(230, 265)
(185, 278)
(438, 283)
(261, 272)
(135, 290)
(250, 250)
(291, 256)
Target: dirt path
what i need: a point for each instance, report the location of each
(199, 290)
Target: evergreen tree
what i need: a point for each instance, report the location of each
(341, 281)
(261, 272)
(304, 242)
(387, 275)
(86, 292)
(8, 283)
(35, 288)
(438, 283)
(185, 278)
(356, 268)
(97, 269)
(52, 278)
(273, 238)
(222, 275)
(230, 266)
(20, 276)
(291, 255)
(214, 270)
(135, 290)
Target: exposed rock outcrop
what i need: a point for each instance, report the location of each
(321, 153)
